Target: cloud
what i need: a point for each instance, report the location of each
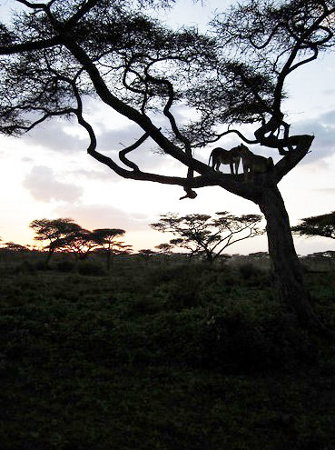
(328, 118)
(27, 159)
(43, 186)
(323, 127)
(53, 135)
(326, 191)
(95, 175)
(104, 216)
(328, 92)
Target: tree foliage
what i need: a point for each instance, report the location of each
(108, 242)
(322, 225)
(80, 242)
(65, 235)
(164, 248)
(14, 247)
(201, 234)
(56, 232)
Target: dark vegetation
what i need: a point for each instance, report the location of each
(160, 353)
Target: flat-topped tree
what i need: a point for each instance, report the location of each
(201, 234)
(55, 232)
(109, 242)
(55, 53)
(322, 225)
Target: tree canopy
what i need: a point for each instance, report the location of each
(108, 240)
(206, 235)
(322, 225)
(56, 232)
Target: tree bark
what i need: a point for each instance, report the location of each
(288, 271)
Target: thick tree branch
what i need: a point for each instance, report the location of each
(81, 12)
(30, 46)
(122, 153)
(135, 174)
(302, 145)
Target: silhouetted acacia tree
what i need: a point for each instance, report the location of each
(206, 235)
(17, 248)
(165, 248)
(322, 225)
(55, 53)
(146, 254)
(55, 232)
(108, 240)
(80, 242)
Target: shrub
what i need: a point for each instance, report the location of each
(65, 266)
(25, 267)
(91, 268)
(42, 265)
(233, 341)
(248, 270)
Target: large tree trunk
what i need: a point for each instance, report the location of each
(288, 271)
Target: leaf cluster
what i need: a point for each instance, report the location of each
(258, 44)
(136, 56)
(321, 225)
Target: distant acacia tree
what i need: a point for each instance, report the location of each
(165, 248)
(322, 225)
(146, 254)
(206, 235)
(80, 242)
(54, 232)
(108, 240)
(17, 248)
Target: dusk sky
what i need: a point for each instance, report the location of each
(49, 174)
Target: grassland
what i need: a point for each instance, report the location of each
(160, 355)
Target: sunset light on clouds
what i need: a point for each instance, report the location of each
(47, 173)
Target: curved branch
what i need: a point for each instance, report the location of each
(42, 6)
(46, 7)
(122, 153)
(167, 107)
(305, 61)
(239, 134)
(188, 149)
(266, 43)
(287, 163)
